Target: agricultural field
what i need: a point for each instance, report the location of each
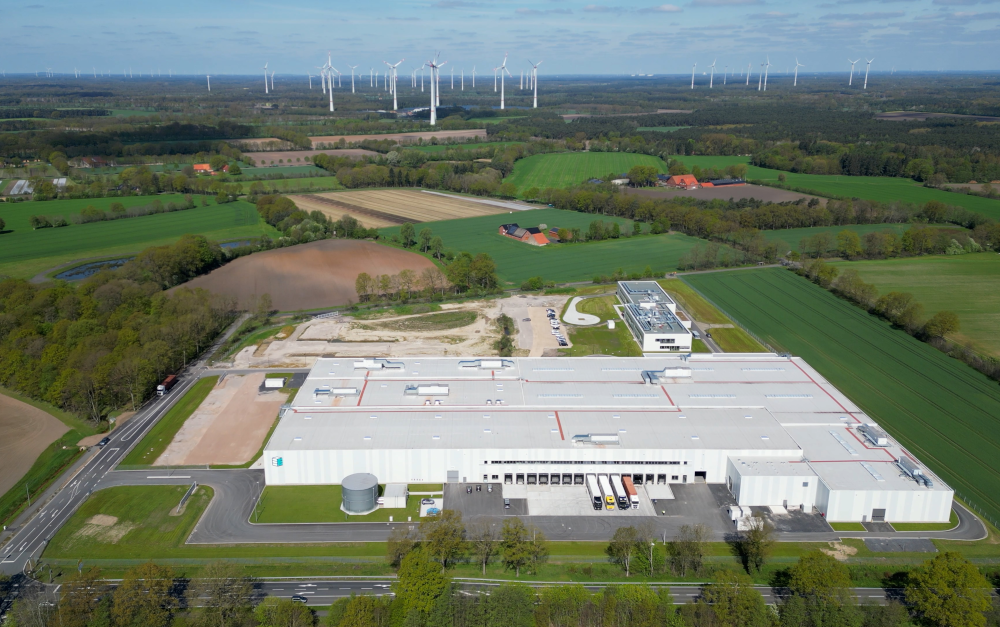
(879, 188)
(517, 261)
(946, 413)
(16, 215)
(793, 237)
(403, 138)
(564, 169)
(730, 340)
(306, 185)
(968, 285)
(25, 252)
(469, 146)
(388, 207)
(286, 170)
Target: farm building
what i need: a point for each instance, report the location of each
(530, 235)
(684, 181)
(768, 427)
(651, 315)
(725, 183)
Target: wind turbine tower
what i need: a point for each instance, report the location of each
(352, 76)
(866, 71)
(797, 66)
(503, 68)
(749, 66)
(760, 78)
(435, 68)
(392, 69)
(766, 67)
(692, 74)
(534, 81)
(850, 81)
(725, 75)
(209, 79)
(265, 79)
(711, 80)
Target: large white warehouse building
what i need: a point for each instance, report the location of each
(769, 427)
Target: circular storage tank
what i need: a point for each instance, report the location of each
(360, 493)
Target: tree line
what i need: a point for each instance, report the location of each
(105, 343)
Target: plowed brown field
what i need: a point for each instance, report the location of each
(27, 431)
(403, 137)
(308, 276)
(378, 208)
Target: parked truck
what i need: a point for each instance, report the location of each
(168, 383)
(621, 496)
(633, 495)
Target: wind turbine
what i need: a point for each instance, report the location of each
(208, 77)
(371, 77)
(453, 78)
(473, 77)
(749, 66)
(866, 70)
(766, 67)
(310, 81)
(272, 80)
(392, 68)
(435, 67)
(725, 75)
(265, 79)
(851, 80)
(711, 80)
(692, 73)
(503, 68)
(352, 76)
(797, 66)
(534, 81)
(463, 79)
(760, 78)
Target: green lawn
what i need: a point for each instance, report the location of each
(952, 522)
(792, 238)
(25, 252)
(600, 340)
(847, 526)
(321, 503)
(946, 413)
(16, 215)
(282, 170)
(734, 340)
(517, 261)
(880, 188)
(304, 185)
(163, 432)
(564, 169)
(968, 285)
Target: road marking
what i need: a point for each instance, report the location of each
(169, 477)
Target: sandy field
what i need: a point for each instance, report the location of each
(403, 138)
(768, 194)
(376, 338)
(228, 427)
(378, 208)
(27, 431)
(308, 276)
(298, 157)
(909, 116)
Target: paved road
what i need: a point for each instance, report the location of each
(28, 541)
(228, 517)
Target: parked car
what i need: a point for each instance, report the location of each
(506, 503)
(468, 489)
(489, 488)
(479, 488)
(427, 501)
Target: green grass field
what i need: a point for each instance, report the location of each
(661, 129)
(793, 237)
(564, 169)
(600, 340)
(296, 186)
(284, 170)
(734, 340)
(163, 432)
(321, 503)
(25, 252)
(880, 188)
(946, 413)
(968, 285)
(16, 215)
(517, 261)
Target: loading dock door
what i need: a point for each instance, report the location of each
(700, 476)
(452, 476)
(878, 515)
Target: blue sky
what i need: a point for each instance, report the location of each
(238, 36)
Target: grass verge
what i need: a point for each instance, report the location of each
(736, 340)
(163, 432)
(847, 526)
(952, 523)
(321, 504)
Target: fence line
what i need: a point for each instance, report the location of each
(979, 511)
(731, 318)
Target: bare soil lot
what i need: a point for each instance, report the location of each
(26, 432)
(379, 208)
(298, 157)
(228, 427)
(909, 116)
(767, 194)
(308, 276)
(403, 138)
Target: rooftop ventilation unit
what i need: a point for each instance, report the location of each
(487, 364)
(427, 389)
(874, 435)
(597, 438)
(654, 377)
(911, 470)
(378, 364)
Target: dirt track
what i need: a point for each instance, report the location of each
(308, 276)
(767, 194)
(403, 137)
(27, 431)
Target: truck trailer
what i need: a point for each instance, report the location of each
(621, 496)
(596, 498)
(168, 383)
(633, 494)
(609, 495)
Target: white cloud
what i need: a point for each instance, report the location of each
(664, 8)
